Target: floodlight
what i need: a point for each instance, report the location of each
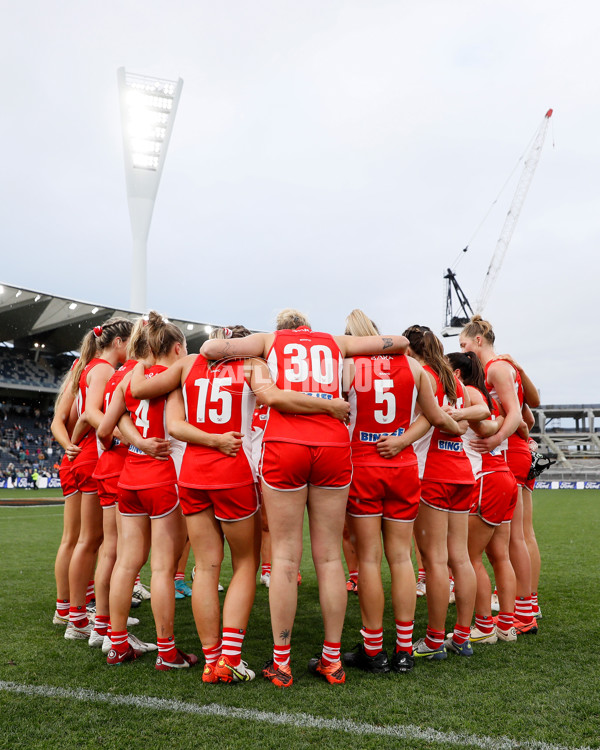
(95, 310)
(19, 293)
(190, 327)
(208, 329)
(73, 306)
(148, 108)
(37, 298)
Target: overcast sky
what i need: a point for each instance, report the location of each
(327, 154)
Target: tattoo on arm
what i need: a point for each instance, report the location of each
(387, 342)
(285, 635)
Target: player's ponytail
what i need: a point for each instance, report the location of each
(162, 335)
(137, 346)
(471, 372)
(87, 351)
(426, 345)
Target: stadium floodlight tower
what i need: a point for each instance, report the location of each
(148, 107)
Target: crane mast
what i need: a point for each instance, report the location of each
(454, 322)
(531, 162)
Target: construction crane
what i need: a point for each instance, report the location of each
(455, 321)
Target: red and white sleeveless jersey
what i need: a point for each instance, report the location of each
(218, 399)
(441, 456)
(485, 463)
(259, 421)
(88, 444)
(382, 402)
(111, 461)
(141, 471)
(514, 441)
(308, 362)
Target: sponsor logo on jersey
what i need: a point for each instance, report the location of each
(328, 396)
(373, 437)
(450, 445)
(133, 449)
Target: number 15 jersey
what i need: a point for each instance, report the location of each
(218, 399)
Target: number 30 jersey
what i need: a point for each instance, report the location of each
(382, 399)
(309, 362)
(140, 470)
(218, 399)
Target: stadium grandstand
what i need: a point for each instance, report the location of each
(39, 336)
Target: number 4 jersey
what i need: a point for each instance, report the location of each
(140, 470)
(218, 399)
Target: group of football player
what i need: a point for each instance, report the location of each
(383, 440)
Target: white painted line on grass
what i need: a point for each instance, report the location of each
(299, 720)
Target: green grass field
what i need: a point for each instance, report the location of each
(543, 689)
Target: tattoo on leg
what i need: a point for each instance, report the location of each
(285, 635)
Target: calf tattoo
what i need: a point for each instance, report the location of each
(285, 635)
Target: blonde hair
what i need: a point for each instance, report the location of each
(290, 318)
(162, 334)
(137, 346)
(358, 323)
(96, 340)
(477, 326)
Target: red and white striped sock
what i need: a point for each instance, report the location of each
(461, 634)
(281, 655)
(78, 616)
(373, 640)
(404, 635)
(434, 638)
(101, 624)
(89, 594)
(233, 639)
(353, 576)
(535, 607)
(166, 648)
(485, 623)
(212, 653)
(265, 568)
(137, 580)
(119, 641)
(330, 653)
(179, 576)
(62, 607)
(505, 620)
(421, 575)
(523, 608)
